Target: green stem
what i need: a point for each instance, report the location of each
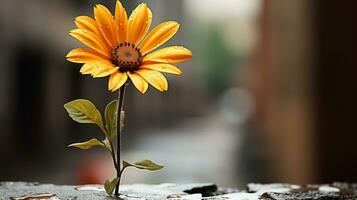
(118, 163)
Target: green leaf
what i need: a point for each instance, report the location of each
(144, 164)
(84, 111)
(88, 144)
(109, 186)
(111, 119)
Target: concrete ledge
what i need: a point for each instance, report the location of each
(36, 191)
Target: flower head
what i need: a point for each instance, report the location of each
(120, 47)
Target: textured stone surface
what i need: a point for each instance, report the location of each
(22, 190)
(28, 191)
(309, 192)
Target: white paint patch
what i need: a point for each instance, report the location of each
(240, 196)
(91, 188)
(187, 197)
(328, 189)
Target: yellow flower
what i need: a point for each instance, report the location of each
(117, 48)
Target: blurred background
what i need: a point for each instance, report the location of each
(269, 96)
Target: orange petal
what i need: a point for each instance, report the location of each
(139, 23)
(116, 80)
(82, 55)
(91, 40)
(106, 25)
(103, 69)
(87, 23)
(98, 72)
(159, 35)
(121, 21)
(139, 82)
(172, 54)
(155, 78)
(87, 69)
(162, 67)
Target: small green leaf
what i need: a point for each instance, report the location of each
(109, 186)
(111, 119)
(144, 164)
(87, 145)
(84, 111)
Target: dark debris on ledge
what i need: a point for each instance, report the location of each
(36, 191)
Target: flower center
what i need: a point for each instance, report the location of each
(127, 57)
